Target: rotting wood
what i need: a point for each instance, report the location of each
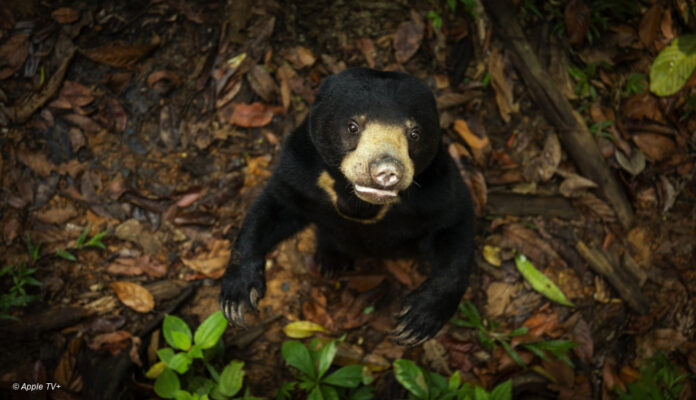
(522, 204)
(626, 284)
(573, 132)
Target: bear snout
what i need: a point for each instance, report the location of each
(386, 172)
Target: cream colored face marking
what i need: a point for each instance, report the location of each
(376, 140)
(326, 182)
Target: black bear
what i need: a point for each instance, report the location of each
(368, 169)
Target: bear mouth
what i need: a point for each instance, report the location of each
(374, 195)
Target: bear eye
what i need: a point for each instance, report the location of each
(414, 134)
(353, 128)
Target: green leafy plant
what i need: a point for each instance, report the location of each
(468, 5)
(82, 242)
(635, 84)
(491, 338)
(426, 385)
(601, 13)
(583, 78)
(312, 364)
(659, 379)
(435, 19)
(599, 129)
(17, 295)
(201, 345)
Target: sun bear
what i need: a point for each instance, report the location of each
(369, 170)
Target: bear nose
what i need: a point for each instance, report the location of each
(386, 172)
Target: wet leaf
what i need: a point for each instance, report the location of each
(656, 147)
(647, 29)
(65, 15)
(13, 53)
(577, 20)
(302, 329)
(673, 66)
(133, 295)
(407, 39)
(251, 115)
(120, 55)
(540, 282)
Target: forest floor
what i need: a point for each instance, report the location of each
(154, 125)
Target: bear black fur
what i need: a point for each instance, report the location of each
(431, 218)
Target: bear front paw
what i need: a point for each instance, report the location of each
(425, 312)
(240, 291)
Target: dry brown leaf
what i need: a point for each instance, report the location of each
(527, 242)
(610, 378)
(65, 15)
(262, 83)
(111, 341)
(158, 75)
(550, 157)
(75, 94)
(117, 114)
(66, 373)
(368, 50)
(408, 38)
(37, 162)
(656, 147)
(574, 185)
(137, 266)
(363, 283)
(502, 84)
(213, 262)
(13, 53)
(86, 123)
(56, 215)
(133, 295)
(641, 106)
(596, 206)
(480, 146)
(666, 26)
(582, 335)
(635, 164)
(120, 55)
(498, 294)
(577, 21)
(647, 30)
(252, 115)
(284, 73)
(305, 56)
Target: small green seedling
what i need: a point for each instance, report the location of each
(201, 345)
(490, 338)
(312, 364)
(427, 385)
(82, 242)
(660, 379)
(17, 295)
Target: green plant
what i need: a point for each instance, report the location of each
(425, 385)
(17, 295)
(313, 363)
(469, 8)
(201, 345)
(490, 338)
(599, 129)
(659, 379)
(601, 12)
(583, 77)
(635, 84)
(435, 19)
(673, 66)
(82, 242)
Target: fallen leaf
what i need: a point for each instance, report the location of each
(37, 162)
(106, 341)
(66, 373)
(498, 295)
(213, 262)
(120, 55)
(13, 53)
(363, 283)
(647, 30)
(582, 335)
(502, 85)
(56, 215)
(610, 378)
(86, 123)
(76, 94)
(540, 282)
(596, 206)
(492, 255)
(407, 39)
(367, 48)
(656, 147)
(116, 114)
(252, 115)
(577, 21)
(550, 157)
(635, 165)
(480, 146)
(133, 295)
(262, 83)
(641, 106)
(158, 75)
(666, 26)
(573, 185)
(302, 329)
(137, 266)
(65, 15)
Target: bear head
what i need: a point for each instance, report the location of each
(379, 129)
